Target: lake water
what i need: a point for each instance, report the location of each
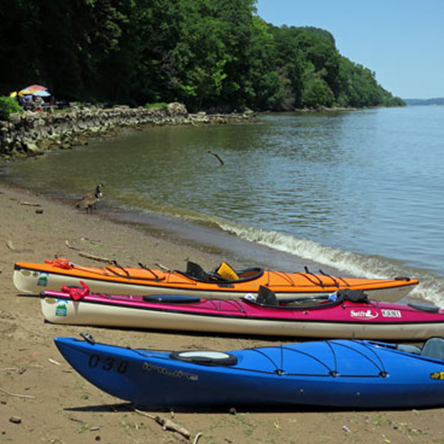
(361, 192)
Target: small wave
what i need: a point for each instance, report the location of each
(431, 287)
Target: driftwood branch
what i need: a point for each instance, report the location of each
(167, 424)
(197, 437)
(71, 418)
(96, 258)
(89, 255)
(30, 204)
(217, 157)
(71, 246)
(11, 246)
(16, 395)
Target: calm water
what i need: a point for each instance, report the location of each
(362, 192)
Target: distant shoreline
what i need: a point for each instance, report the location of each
(424, 102)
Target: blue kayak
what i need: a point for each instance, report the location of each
(333, 373)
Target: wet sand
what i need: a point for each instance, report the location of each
(43, 400)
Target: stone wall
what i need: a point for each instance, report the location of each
(33, 133)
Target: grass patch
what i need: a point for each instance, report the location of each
(160, 105)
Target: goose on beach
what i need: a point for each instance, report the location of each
(88, 201)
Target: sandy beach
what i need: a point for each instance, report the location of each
(43, 400)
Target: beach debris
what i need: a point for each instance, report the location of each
(197, 437)
(167, 424)
(89, 255)
(71, 418)
(96, 258)
(71, 246)
(162, 267)
(91, 241)
(346, 429)
(52, 361)
(39, 211)
(30, 204)
(217, 157)
(16, 395)
(15, 419)
(11, 246)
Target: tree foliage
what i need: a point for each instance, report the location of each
(204, 53)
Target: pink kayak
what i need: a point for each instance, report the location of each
(346, 314)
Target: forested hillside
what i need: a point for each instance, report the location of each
(203, 53)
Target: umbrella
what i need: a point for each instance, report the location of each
(41, 93)
(36, 87)
(31, 89)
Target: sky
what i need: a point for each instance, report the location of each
(402, 41)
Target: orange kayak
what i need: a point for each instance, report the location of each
(225, 282)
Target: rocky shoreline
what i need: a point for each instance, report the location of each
(33, 133)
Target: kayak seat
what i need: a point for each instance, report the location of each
(197, 272)
(227, 272)
(353, 295)
(409, 348)
(424, 307)
(434, 348)
(267, 297)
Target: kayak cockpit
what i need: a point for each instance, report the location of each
(267, 298)
(224, 274)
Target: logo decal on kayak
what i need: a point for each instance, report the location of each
(437, 375)
(61, 308)
(391, 314)
(364, 314)
(166, 372)
(42, 281)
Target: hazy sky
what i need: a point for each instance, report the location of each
(402, 41)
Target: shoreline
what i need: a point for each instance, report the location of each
(63, 408)
(32, 133)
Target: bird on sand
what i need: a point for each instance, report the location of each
(88, 201)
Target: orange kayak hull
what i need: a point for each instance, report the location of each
(36, 277)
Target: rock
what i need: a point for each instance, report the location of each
(31, 147)
(177, 109)
(15, 419)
